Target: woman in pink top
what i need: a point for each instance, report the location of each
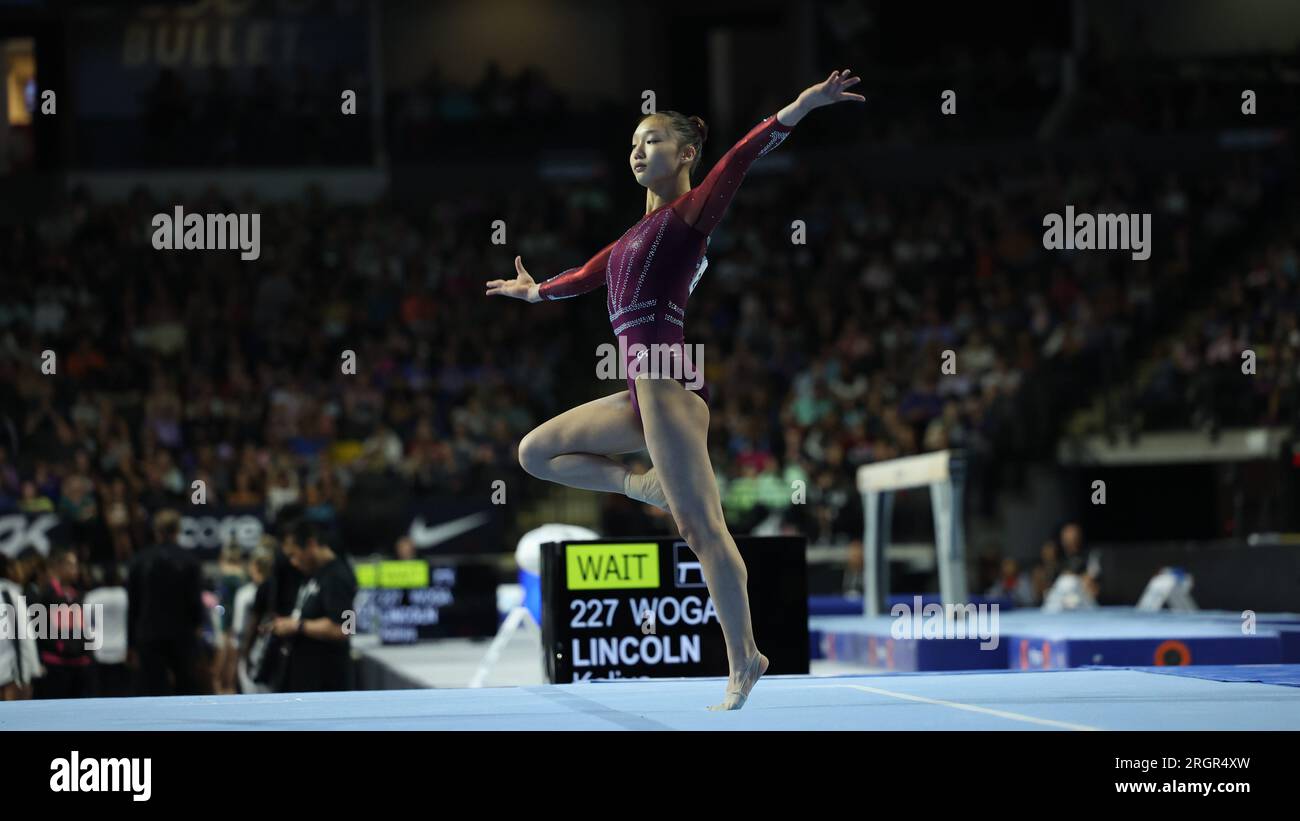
(648, 274)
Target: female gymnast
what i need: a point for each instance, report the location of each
(648, 273)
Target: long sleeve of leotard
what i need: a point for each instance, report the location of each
(576, 281)
(704, 205)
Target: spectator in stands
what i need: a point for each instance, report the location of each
(250, 600)
(64, 652)
(1077, 584)
(1045, 572)
(107, 603)
(166, 614)
(10, 486)
(1012, 584)
(405, 549)
(854, 582)
(1078, 559)
(231, 579)
(1073, 556)
(276, 598)
(33, 501)
(32, 573)
(20, 663)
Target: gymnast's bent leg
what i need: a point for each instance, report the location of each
(573, 449)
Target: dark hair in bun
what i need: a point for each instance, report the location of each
(687, 131)
(700, 126)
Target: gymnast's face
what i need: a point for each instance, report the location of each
(655, 152)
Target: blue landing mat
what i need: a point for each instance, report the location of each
(1287, 675)
(1077, 699)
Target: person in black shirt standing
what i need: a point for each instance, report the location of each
(165, 614)
(320, 653)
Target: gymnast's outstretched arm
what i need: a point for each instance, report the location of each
(704, 205)
(566, 284)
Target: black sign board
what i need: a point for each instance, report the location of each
(628, 608)
(411, 601)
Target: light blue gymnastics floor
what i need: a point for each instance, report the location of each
(1076, 699)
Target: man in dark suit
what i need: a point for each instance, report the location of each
(165, 614)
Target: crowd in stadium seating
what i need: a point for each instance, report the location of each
(222, 118)
(426, 115)
(1141, 93)
(1195, 379)
(175, 366)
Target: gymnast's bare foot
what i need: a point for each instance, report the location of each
(738, 690)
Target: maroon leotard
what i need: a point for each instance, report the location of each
(651, 270)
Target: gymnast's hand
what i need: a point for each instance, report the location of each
(521, 287)
(831, 90)
(827, 92)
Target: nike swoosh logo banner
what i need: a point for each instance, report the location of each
(426, 536)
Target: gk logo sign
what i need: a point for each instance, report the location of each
(17, 532)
